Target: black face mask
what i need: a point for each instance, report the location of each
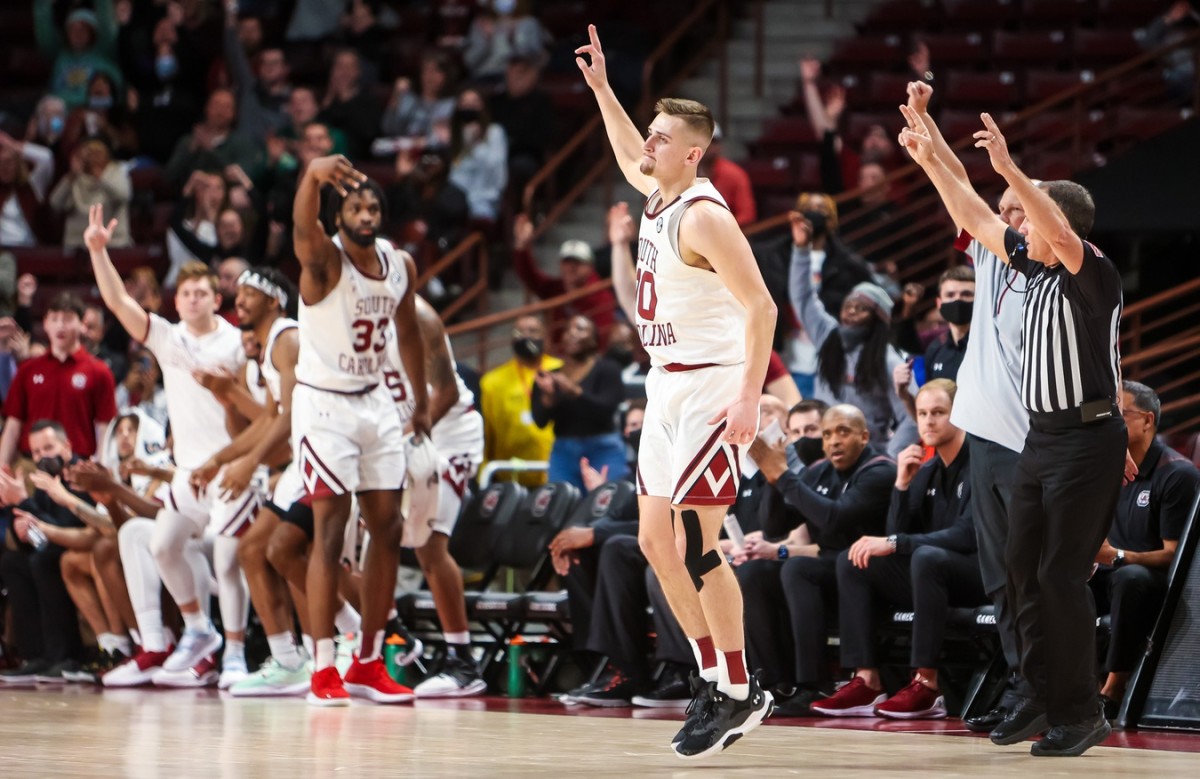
(634, 440)
(809, 450)
(52, 466)
(957, 312)
(854, 336)
(622, 357)
(820, 223)
(528, 348)
(468, 115)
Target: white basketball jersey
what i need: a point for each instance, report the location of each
(685, 315)
(343, 338)
(270, 373)
(197, 418)
(401, 387)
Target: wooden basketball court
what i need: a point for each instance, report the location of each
(79, 731)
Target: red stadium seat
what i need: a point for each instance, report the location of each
(774, 174)
(955, 49)
(785, 133)
(1143, 123)
(866, 53)
(1041, 84)
(1104, 48)
(979, 14)
(887, 90)
(49, 262)
(993, 91)
(892, 16)
(1123, 14)
(958, 124)
(1054, 14)
(1026, 49)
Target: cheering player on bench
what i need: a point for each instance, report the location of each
(706, 319)
(354, 289)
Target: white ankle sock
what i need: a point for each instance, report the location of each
(347, 620)
(457, 638)
(234, 650)
(739, 692)
(283, 649)
(197, 621)
(324, 657)
(307, 642)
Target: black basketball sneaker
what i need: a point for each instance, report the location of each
(724, 721)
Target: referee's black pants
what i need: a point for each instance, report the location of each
(927, 582)
(993, 468)
(1064, 499)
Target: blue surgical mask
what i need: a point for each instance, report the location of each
(100, 102)
(166, 66)
(56, 125)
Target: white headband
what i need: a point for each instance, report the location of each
(264, 285)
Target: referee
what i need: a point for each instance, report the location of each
(1069, 474)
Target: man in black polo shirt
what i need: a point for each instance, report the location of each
(1069, 474)
(1151, 514)
(925, 564)
(839, 500)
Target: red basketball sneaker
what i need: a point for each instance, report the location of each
(371, 681)
(327, 689)
(854, 699)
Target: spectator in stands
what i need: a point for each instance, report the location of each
(104, 114)
(302, 111)
(142, 390)
(233, 239)
(66, 384)
(314, 20)
(94, 178)
(506, 393)
(91, 336)
(429, 211)
(192, 234)
(14, 349)
(625, 349)
(142, 285)
(814, 224)
(169, 93)
(926, 564)
(89, 47)
(262, 90)
(228, 272)
(348, 104)
(45, 623)
(804, 445)
(26, 170)
(214, 137)
(478, 156)
(1151, 517)
(855, 362)
(955, 301)
(526, 113)
(837, 500)
(360, 30)
(730, 179)
(576, 271)
(581, 399)
(49, 119)
(413, 115)
(1179, 71)
(500, 30)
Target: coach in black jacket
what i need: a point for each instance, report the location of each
(925, 564)
(838, 500)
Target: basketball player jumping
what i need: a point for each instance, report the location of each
(706, 320)
(354, 288)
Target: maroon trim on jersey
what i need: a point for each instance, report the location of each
(711, 199)
(641, 485)
(171, 498)
(679, 367)
(321, 488)
(349, 393)
(687, 472)
(722, 487)
(963, 240)
(654, 215)
(383, 263)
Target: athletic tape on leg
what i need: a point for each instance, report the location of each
(695, 559)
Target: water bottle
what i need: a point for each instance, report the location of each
(516, 670)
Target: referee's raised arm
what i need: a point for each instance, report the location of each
(1041, 212)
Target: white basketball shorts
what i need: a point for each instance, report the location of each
(459, 442)
(347, 443)
(682, 456)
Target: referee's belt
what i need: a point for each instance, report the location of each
(1089, 412)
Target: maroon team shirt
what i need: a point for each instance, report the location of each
(77, 393)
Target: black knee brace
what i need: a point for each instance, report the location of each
(695, 559)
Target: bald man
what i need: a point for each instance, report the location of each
(790, 588)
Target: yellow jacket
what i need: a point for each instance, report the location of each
(508, 427)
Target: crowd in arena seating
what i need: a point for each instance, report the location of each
(191, 124)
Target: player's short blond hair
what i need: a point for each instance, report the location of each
(695, 115)
(191, 271)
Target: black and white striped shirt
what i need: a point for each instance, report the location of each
(1069, 353)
